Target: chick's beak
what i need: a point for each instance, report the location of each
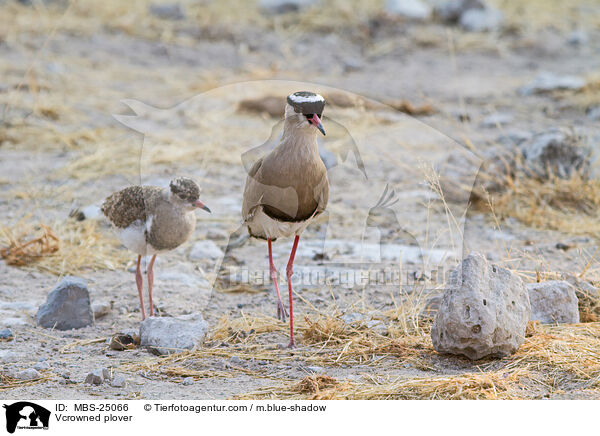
(201, 205)
(317, 123)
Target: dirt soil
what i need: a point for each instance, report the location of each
(93, 100)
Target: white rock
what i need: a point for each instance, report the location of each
(546, 82)
(14, 322)
(28, 307)
(411, 9)
(284, 6)
(577, 38)
(167, 11)
(481, 20)
(7, 356)
(100, 309)
(188, 381)
(593, 113)
(204, 250)
(27, 374)
(118, 381)
(495, 120)
(556, 152)
(97, 376)
(450, 11)
(353, 317)
(553, 302)
(484, 311)
(41, 366)
(171, 335)
(216, 233)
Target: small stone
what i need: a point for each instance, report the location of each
(284, 6)
(495, 120)
(553, 302)
(95, 377)
(593, 113)
(484, 311)
(234, 360)
(481, 20)
(452, 10)
(352, 317)
(171, 335)
(556, 152)
(6, 335)
(410, 9)
(27, 374)
(41, 366)
(14, 322)
(216, 233)
(204, 250)
(352, 64)
(7, 356)
(20, 306)
(167, 11)
(577, 38)
(188, 381)
(546, 82)
(67, 306)
(118, 381)
(100, 309)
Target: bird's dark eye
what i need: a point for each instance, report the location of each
(309, 116)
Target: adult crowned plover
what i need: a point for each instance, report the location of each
(151, 220)
(288, 188)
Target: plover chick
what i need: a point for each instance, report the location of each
(150, 220)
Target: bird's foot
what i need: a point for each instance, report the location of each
(282, 312)
(292, 344)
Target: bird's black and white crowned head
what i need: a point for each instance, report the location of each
(186, 192)
(305, 109)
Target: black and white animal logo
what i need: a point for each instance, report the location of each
(26, 415)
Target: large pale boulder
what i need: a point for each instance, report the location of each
(484, 311)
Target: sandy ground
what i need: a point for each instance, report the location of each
(62, 148)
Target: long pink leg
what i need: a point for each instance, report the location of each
(281, 311)
(151, 283)
(140, 285)
(290, 272)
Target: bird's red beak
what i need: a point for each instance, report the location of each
(317, 123)
(201, 205)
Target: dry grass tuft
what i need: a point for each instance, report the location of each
(327, 330)
(70, 247)
(21, 253)
(7, 382)
(318, 387)
(567, 205)
(553, 359)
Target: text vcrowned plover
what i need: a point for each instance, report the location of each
(151, 220)
(288, 188)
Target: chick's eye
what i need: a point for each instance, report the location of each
(309, 116)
